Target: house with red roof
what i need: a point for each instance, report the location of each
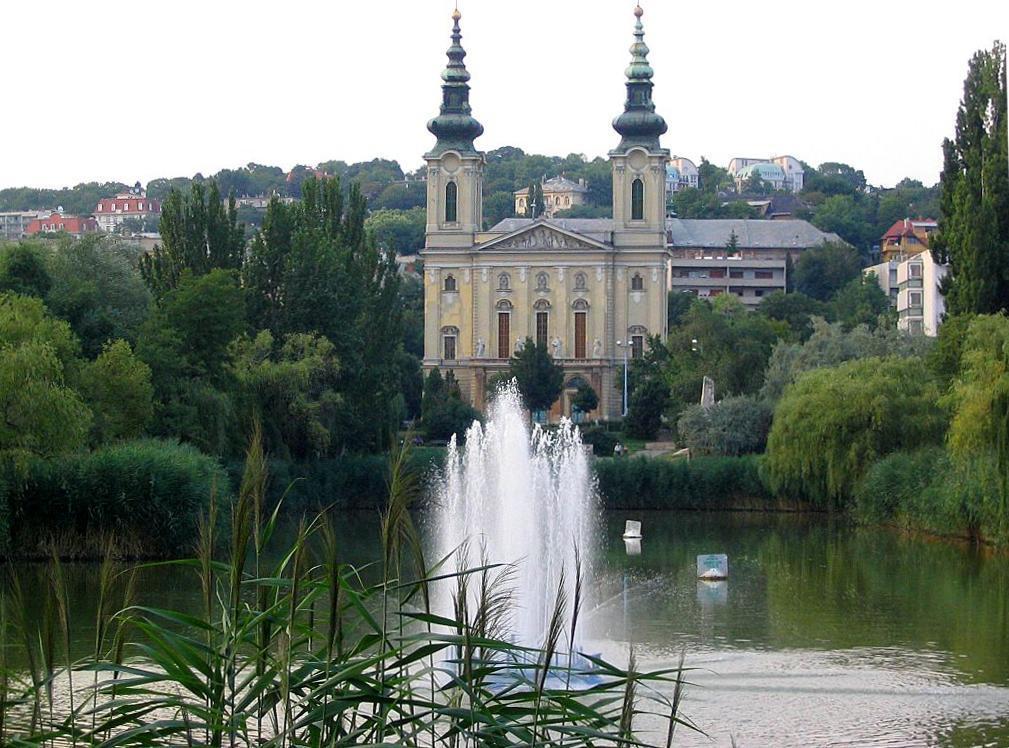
(57, 222)
(909, 236)
(113, 212)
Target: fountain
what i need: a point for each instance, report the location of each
(511, 496)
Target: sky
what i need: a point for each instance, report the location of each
(140, 90)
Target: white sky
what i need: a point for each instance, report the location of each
(138, 90)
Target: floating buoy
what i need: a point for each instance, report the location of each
(713, 567)
(632, 529)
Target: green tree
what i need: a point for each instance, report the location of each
(291, 390)
(833, 423)
(23, 269)
(862, 302)
(208, 313)
(832, 345)
(794, 309)
(198, 234)
(398, 231)
(40, 412)
(540, 380)
(97, 288)
(41, 415)
(117, 387)
(823, 271)
(973, 235)
(644, 413)
(852, 217)
(586, 400)
(444, 413)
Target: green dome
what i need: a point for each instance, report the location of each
(455, 127)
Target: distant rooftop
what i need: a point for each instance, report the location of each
(698, 232)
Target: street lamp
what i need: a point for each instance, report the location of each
(624, 344)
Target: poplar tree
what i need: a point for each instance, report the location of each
(198, 234)
(973, 236)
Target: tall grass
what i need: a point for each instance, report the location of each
(306, 652)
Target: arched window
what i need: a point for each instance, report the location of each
(637, 200)
(637, 283)
(581, 281)
(504, 282)
(542, 279)
(451, 202)
(450, 283)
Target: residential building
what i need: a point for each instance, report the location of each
(681, 173)
(144, 213)
(911, 277)
(559, 193)
(591, 290)
(906, 237)
(57, 221)
(14, 223)
(782, 172)
(746, 258)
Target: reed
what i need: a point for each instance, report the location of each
(308, 653)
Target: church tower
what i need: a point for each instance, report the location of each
(639, 162)
(454, 166)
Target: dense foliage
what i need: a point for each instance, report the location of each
(539, 378)
(731, 427)
(702, 483)
(832, 423)
(974, 228)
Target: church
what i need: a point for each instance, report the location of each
(592, 290)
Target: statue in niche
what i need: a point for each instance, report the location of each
(481, 348)
(520, 343)
(597, 348)
(541, 282)
(557, 347)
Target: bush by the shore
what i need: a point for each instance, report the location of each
(147, 494)
(702, 483)
(925, 490)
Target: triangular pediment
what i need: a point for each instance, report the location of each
(542, 235)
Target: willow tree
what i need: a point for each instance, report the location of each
(973, 235)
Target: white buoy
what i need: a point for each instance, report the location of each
(713, 566)
(632, 529)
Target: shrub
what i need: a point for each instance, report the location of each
(732, 427)
(703, 483)
(927, 490)
(147, 494)
(601, 440)
(347, 482)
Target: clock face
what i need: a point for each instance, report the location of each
(638, 160)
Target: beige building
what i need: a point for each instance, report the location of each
(590, 289)
(559, 193)
(702, 262)
(781, 172)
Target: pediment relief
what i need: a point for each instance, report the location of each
(542, 237)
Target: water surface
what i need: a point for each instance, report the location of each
(823, 635)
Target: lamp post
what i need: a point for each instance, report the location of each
(624, 344)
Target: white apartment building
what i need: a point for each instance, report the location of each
(912, 283)
(782, 172)
(14, 223)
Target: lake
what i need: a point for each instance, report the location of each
(823, 634)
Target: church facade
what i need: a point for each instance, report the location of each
(591, 290)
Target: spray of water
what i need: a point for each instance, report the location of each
(515, 496)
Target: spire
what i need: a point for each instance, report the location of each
(639, 124)
(455, 127)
